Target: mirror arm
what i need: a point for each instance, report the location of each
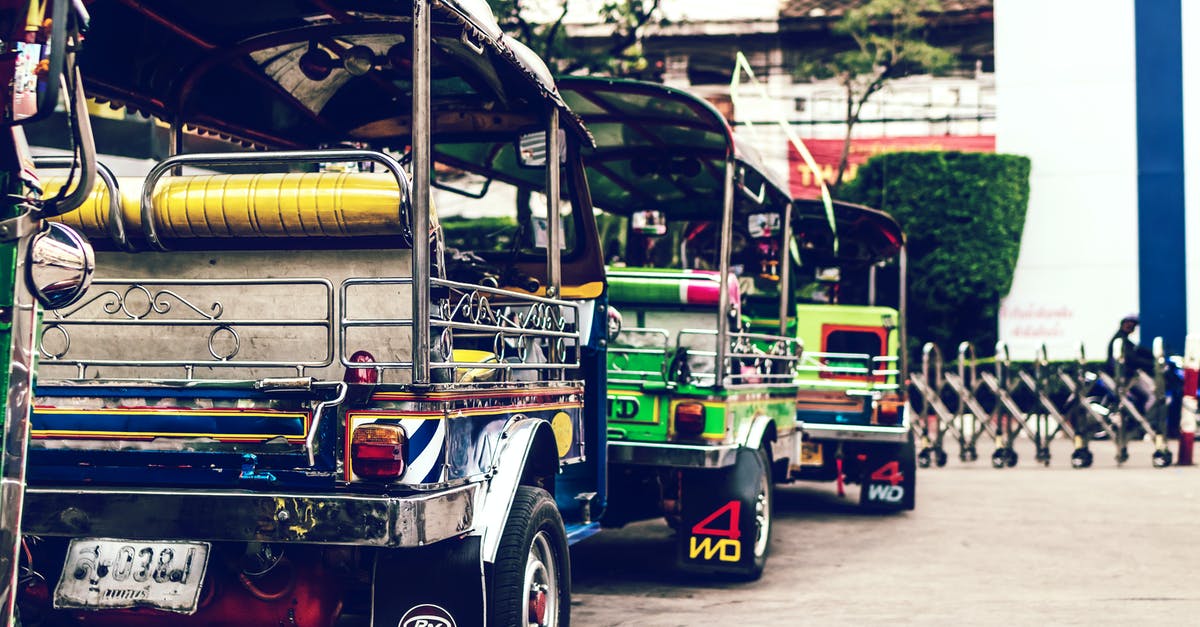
(85, 144)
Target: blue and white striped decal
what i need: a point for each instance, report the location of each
(426, 445)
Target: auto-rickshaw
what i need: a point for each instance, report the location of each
(296, 392)
(701, 407)
(852, 397)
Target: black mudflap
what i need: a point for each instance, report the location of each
(717, 530)
(441, 584)
(889, 477)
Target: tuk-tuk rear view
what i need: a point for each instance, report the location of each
(297, 390)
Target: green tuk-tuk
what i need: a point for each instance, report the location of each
(701, 405)
(852, 398)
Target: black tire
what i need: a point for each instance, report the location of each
(764, 507)
(533, 553)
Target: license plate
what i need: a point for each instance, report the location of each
(105, 573)
(811, 454)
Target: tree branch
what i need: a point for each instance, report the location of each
(552, 34)
(621, 40)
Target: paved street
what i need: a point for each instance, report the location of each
(1021, 546)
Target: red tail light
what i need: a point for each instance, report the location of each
(377, 451)
(689, 419)
(361, 375)
(889, 412)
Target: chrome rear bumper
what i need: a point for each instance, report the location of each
(672, 455)
(345, 519)
(854, 433)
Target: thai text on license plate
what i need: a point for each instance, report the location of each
(107, 573)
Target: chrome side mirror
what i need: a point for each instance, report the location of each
(60, 265)
(649, 222)
(531, 149)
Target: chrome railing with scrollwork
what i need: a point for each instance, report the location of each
(503, 330)
(746, 361)
(189, 324)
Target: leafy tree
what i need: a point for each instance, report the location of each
(889, 43)
(962, 214)
(620, 55)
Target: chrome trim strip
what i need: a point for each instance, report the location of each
(817, 431)
(673, 455)
(242, 516)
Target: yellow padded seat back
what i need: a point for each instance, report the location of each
(324, 204)
(91, 218)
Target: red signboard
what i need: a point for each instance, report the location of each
(827, 153)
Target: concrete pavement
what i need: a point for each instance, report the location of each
(1020, 546)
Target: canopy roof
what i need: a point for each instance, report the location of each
(233, 67)
(661, 148)
(865, 235)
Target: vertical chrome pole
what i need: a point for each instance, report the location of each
(726, 243)
(16, 431)
(903, 322)
(554, 232)
(553, 194)
(176, 143)
(421, 162)
(871, 285)
(785, 267)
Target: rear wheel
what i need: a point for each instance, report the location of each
(531, 583)
(763, 504)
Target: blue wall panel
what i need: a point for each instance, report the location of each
(1161, 272)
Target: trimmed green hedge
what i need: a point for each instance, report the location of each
(963, 214)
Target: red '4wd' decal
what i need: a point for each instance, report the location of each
(727, 547)
(889, 472)
(734, 508)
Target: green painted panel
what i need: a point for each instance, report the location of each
(814, 322)
(637, 415)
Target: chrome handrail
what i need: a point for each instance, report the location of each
(116, 216)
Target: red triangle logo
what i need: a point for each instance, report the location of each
(711, 527)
